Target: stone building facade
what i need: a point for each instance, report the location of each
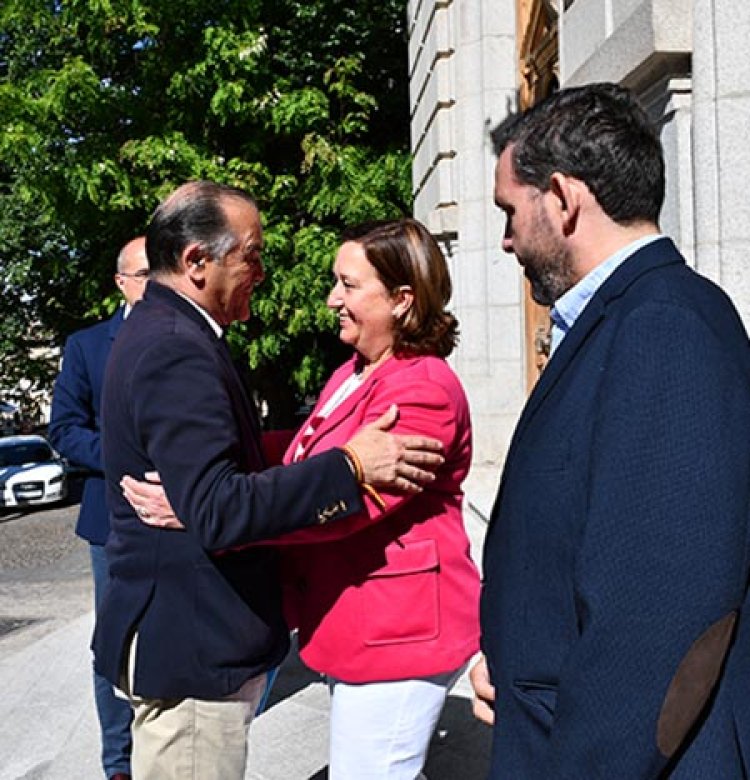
(472, 61)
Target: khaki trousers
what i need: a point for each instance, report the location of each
(191, 739)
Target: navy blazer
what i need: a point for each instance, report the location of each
(620, 536)
(208, 616)
(74, 428)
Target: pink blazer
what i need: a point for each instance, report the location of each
(389, 594)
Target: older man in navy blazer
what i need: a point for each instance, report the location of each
(192, 619)
(614, 608)
(74, 430)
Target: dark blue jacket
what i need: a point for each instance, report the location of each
(616, 562)
(208, 617)
(75, 418)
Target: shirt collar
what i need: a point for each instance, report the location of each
(215, 327)
(568, 307)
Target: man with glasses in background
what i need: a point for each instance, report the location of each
(74, 432)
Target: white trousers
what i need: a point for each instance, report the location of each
(381, 731)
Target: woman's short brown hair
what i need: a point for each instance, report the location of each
(404, 253)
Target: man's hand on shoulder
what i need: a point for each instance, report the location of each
(388, 460)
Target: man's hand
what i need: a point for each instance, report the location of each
(149, 501)
(392, 461)
(484, 692)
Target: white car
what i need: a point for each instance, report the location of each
(31, 472)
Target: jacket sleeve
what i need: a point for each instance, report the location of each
(662, 560)
(425, 409)
(186, 419)
(73, 429)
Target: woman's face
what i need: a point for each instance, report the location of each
(364, 305)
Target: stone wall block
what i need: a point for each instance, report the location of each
(734, 154)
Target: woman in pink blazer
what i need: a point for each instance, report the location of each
(386, 602)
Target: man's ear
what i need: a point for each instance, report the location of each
(193, 262)
(403, 298)
(568, 193)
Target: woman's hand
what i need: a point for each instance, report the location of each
(149, 501)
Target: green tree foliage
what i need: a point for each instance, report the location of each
(107, 105)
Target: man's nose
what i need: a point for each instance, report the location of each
(507, 241)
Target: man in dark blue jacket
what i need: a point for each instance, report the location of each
(192, 621)
(615, 604)
(74, 432)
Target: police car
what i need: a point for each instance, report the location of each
(31, 472)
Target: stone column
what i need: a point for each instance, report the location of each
(721, 142)
(488, 284)
(463, 69)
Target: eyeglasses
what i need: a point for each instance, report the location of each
(141, 273)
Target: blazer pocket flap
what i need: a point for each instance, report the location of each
(539, 700)
(411, 558)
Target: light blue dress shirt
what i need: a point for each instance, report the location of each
(568, 307)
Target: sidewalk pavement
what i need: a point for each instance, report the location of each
(49, 729)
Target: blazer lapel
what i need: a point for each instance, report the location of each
(346, 407)
(585, 324)
(243, 402)
(249, 420)
(335, 418)
(655, 255)
(115, 323)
